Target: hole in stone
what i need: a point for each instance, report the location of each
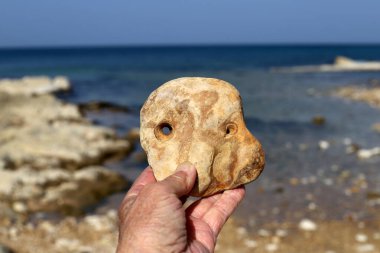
(166, 128)
(231, 128)
(163, 131)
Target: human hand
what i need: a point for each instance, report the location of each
(153, 218)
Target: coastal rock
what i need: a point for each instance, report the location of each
(368, 153)
(368, 95)
(318, 120)
(30, 86)
(48, 149)
(200, 120)
(57, 189)
(60, 144)
(91, 233)
(42, 132)
(20, 111)
(341, 64)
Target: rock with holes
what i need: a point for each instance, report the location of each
(200, 120)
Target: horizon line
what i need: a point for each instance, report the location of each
(179, 45)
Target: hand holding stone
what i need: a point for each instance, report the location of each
(153, 219)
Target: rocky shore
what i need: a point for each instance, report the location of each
(53, 175)
(51, 164)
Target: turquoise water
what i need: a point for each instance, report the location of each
(278, 109)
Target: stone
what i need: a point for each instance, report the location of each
(318, 120)
(42, 131)
(341, 64)
(361, 237)
(323, 144)
(307, 225)
(369, 95)
(368, 153)
(58, 190)
(200, 120)
(34, 85)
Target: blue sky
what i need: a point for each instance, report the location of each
(150, 22)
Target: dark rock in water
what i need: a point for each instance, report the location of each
(102, 105)
(318, 120)
(373, 195)
(352, 148)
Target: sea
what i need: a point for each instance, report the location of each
(300, 179)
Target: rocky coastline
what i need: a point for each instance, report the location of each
(51, 163)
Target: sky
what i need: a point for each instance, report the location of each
(152, 22)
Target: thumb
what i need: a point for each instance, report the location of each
(182, 181)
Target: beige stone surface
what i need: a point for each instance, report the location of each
(200, 120)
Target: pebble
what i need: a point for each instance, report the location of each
(368, 153)
(347, 141)
(271, 247)
(66, 243)
(365, 248)
(99, 223)
(302, 146)
(250, 243)
(263, 233)
(334, 167)
(361, 238)
(281, 232)
(307, 225)
(323, 145)
(304, 181)
(294, 181)
(361, 225)
(241, 231)
(47, 227)
(328, 181)
(13, 232)
(312, 206)
(19, 207)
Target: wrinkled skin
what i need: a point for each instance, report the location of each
(153, 218)
(200, 120)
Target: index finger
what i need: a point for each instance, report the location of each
(146, 177)
(222, 209)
